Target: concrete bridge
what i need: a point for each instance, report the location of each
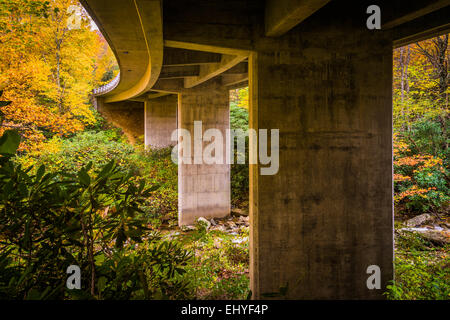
(316, 73)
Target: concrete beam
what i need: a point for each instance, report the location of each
(238, 85)
(170, 72)
(182, 57)
(149, 96)
(282, 15)
(240, 68)
(210, 71)
(155, 95)
(213, 26)
(426, 27)
(207, 46)
(402, 13)
(231, 80)
(172, 86)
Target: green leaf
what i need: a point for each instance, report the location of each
(84, 177)
(33, 294)
(106, 169)
(40, 172)
(153, 188)
(101, 284)
(9, 142)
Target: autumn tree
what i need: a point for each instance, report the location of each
(421, 81)
(50, 60)
(437, 53)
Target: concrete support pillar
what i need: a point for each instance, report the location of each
(203, 189)
(127, 115)
(160, 121)
(318, 224)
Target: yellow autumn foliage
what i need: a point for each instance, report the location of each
(49, 67)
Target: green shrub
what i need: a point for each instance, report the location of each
(93, 219)
(422, 272)
(154, 166)
(96, 147)
(219, 269)
(239, 172)
(428, 137)
(421, 168)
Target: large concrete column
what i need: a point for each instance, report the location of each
(127, 115)
(319, 223)
(203, 190)
(160, 121)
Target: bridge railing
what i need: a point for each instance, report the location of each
(108, 87)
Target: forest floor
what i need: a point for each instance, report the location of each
(221, 269)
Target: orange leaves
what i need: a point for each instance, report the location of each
(413, 191)
(409, 161)
(400, 147)
(400, 178)
(431, 161)
(50, 69)
(401, 158)
(421, 161)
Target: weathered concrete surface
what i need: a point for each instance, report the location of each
(203, 190)
(327, 215)
(282, 15)
(160, 121)
(127, 115)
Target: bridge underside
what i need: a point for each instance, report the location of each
(316, 73)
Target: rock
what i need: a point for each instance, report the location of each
(419, 220)
(187, 228)
(172, 235)
(231, 224)
(220, 228)
(240, 240)
(204, 222)
(213, 222)
(244, 219)
(437, 237)
(239, 212)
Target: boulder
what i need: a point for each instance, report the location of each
(239, 212)
(437, 237)
(419, 220)
(204, 222)
(187, 228)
